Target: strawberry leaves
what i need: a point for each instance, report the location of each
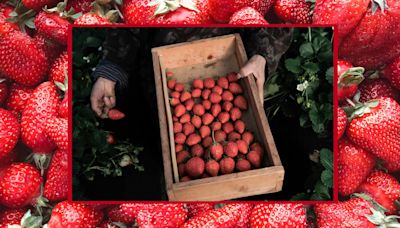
(166, 6)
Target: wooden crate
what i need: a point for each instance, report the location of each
(213, 57)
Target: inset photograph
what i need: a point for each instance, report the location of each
(202, 114)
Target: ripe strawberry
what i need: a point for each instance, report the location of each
(354, 165)
(195, 167)
(227, 106)
(180, 138)
(223, 117)
(220, 136)
(240, 126)
(196, 121)
(247, 16)
(179, 87)
(215, 126)
(207, 118)
(235, 88)
(21, 59)
(115, 114)
(38, 5)
(378, 131)
(116, 214)
(177, 127)
(9, 131)
(348, 79)
(243, 165)
(248, 137)
(341, 122)
(73, 214)
(92, 18)
(110, 139)
(227, 96)
(18, 97)
(217, 89)
(234, 136)
(223, 82)
(383, 188)
(196, 93)
(181, 170)
(209, 83)
(243, 147)
(185, 96)
(57, 130)
(171, 84)
(178, 147)
(240, 102)
(235, 114)
(212, 168)
(198, 84)
(20, 185)
(6, 11)
(198, 109)
(59, 68)
(245, 213)
(392, 73)
(228, 127)
(182, 157)
(53, 27)
(193, 139)
(227, 165)
(197, 151)
(254, 158)
(206, 104)
(175, 94)
(188, 129)
(215, 98)
(195, 209)
(232, 77)
(12, 217)
(63, 111)
(56, 186)
(278, 215)
(83, 6)
(216, 149)
(179, 110)
(231, 149)
(221, 11)
(3, 91)
(207, 141)
(204, 131)
(205, 94)
(215, 109)
(42, 105)
(147, 12)
(296, 12)
(375, 89)
(185, 118)
(257, 147)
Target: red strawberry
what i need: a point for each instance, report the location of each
(383, 188)
(10, 217)
(193, 139)
(245, 212)
(149, 12)
(179, 110)
(232, 77)
(198, 109)
(53, 27)
(63, 111)
(196, 93)
(223, 117)
(278, 215)
(185, 96)
(227, 96)
(179, 87)
(378, 131)
(221, 11)
(180, 138)
(18, 97)
(392, 73)
(235, 114)
(218, 90)
(92, 18)
(215, 126)
(257, 147)
(248, 137)
(243, 165)
(38, 5)
(296, 12)
(198, 84)
(59, 69)
(204, 131)
(215, 98)
(206, 104)
(240, 126)
(175, 94)
(116, 214)
(247, 16)
(197, 151)
(178, 147)
(196, 121)
(21, 59)
(233, 136)
(195, 209)
(83, 6)
(209, 83)
(9, 132)
(3, 91)
(228, 127)
(240, 102)
(216, 149)
(20, 185)
(6, 12)
(243, 147)
(171, 84)
(220, 136)
(235, 88)
(354, 165)
(341, 122)
(181, 170)
(42, 105)
(57, 130)
(227, 165)
(207, 141)
(215, 109)
(254, 158)
(115, 114)
(205, 94)
(185, 118)
(212, 168)
(189, 104)
(348, 79)
(188, 129)
(227, 106)
(376, 88)
(177, 127)
(207, 118)
(223, 82)
(56, 186)
(182, 157)
(110, 139)
(195, 167)
(231, 149)
(73, 214)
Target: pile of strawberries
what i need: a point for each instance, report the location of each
(209, 133)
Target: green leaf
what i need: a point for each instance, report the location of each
(293, 65)
(300, 196)
(311, 67)
(322, 190)
(271, 89)
(326, 158)
(329, 75)
(304, 120)
(92, 42)
(327, 178)
(306, 50)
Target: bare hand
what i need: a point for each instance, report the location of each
(103, 97)
(255, 66)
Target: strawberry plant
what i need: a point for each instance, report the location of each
(94, 155)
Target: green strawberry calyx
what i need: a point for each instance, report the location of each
(358, 109)
(60, 9)
(352, 76)
(29, 220)
(166, 6)
(376, 4)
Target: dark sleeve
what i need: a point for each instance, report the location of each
(120, 56)
(271, 43)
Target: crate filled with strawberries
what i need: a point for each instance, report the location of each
(216, 139)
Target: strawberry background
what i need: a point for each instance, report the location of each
(368, 38)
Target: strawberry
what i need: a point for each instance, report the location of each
(171, 84)
(110, 139)
(245, 213)
(92, 18)
(193, 139)
(10, 217)
(231, 149)
(227, 165)
(232, 77)
(354, 165)
(296, 12)
(180, 138)
(227, 96)
(375, 89)
(221, 11)
(226, 216)
(240, 102)
(6, 11)
(21, 59)
(59, 69)
(198, 109)
(205, 94)
(209, 83)
(240, 126)
(196, 121)
(195, 209)
(52, 26)
(215, 109)
(254, 158)
(243, 147)
(392, 73)
(185, 118)
(377, 129)
(52, 49)
(215, 126)
(197, 151)
(278, 215)
(383, 188)
(38, 5)
(341, 122)
(162, 12)
(207, 141)
(18, 97)
(182, 156)
(188, 129)
(73, 214)
(177, 127)
(57, 130)
(227, 106)
(179, 87)
(185, 95)
(215, 98)
(247, 16)
(3, 91)
(248, 137)
(175, 94)
(204, 131)
(217, 89)
(207, 118)
(179, 110)
(116, 214)
(83, 6)
(223, 117)
(212, 168)
(115, 114)
(243, 165)
(63, 111)
(42, 105)
(228, 127)
(189, 104)
(235, 114)
(20, 185)
(216, 149)
(196, 93)
(178, 147)
(223, 82)
(195, 167)
(235, 88)
(220, 136)
(181, 170)
(9, 132)
(234, 136)
(348, 79)
(198, 84)
(56, 186)
(206, 104)
(257, 147)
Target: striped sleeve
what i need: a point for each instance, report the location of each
(107, 69)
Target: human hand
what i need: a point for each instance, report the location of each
(255, 66)
(102, 98)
